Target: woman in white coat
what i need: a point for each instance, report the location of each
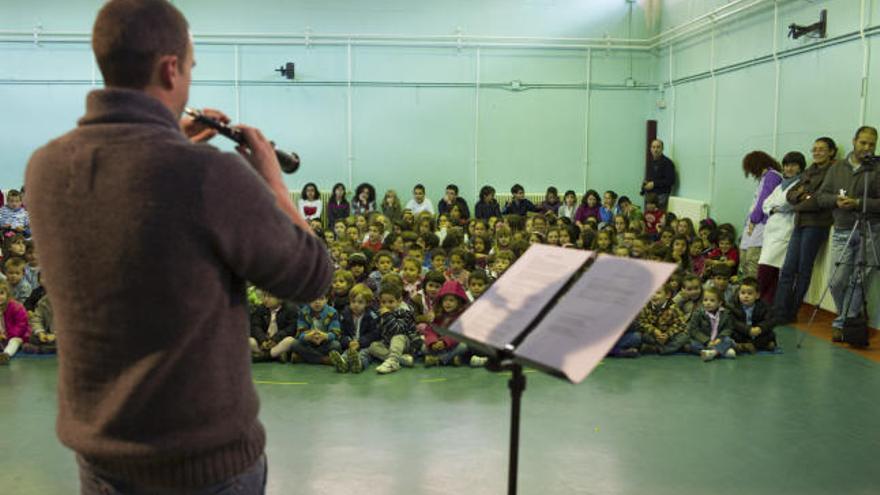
(780, 224)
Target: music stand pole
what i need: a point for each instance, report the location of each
(517, 385)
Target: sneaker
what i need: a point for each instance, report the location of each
(771, 346)
(708, 354)
(731, 353)
(338, 361)
(4, 358)
(355, 365)
(478, 361)
(456, 361)
(431, 361)
(407, 360)
(836, 335)
(390, 365)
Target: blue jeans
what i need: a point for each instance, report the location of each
(847, 297)
(250, 482)
(447, 356)
(797, 270)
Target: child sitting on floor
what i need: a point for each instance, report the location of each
(42, 339)
(689, 297)
(15, 329)
(397, 329)
(360, 328)
(444, 350)
(14, 270)
(711, 328)
(273, 326)
(753, 320)
(663, 327)
(317, 333)
(343, 281)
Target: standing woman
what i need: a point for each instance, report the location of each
(779, 226)
(337, 206)
(364, 200)
(811, 228)
(766, 170)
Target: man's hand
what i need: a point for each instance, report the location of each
(198, 132)
(755, 331)
(260, 153)
(354, 345)
(649, 185)
(847, 203)
(438, 346)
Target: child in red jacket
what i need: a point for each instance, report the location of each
(440, 350)
(15, 329)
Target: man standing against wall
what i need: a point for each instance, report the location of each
(660, 176)
(843, 191)
(146, 240)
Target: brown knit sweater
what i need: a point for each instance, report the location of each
(145, 243)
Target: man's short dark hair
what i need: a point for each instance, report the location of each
(452, 187)
(516, 188)
(130, 35)
(419, 186)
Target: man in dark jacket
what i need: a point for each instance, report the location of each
(660, 176)
(155, 387)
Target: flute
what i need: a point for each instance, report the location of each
(289, 161)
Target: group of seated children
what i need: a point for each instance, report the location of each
(398, 283)
(25, 311)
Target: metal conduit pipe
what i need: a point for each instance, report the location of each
(705, 21)
(781, 55)
(375, 84)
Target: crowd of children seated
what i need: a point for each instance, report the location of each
(403, 273)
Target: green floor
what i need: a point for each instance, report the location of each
(802, 422)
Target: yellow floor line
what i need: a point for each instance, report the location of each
(269, 382)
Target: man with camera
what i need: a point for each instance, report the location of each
(843, 190)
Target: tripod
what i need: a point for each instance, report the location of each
(861, 234)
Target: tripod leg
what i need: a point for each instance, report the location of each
(834, 273)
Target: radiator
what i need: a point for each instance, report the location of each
(690, 208)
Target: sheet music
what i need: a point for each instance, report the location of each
(515, 299)
(587, 321)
